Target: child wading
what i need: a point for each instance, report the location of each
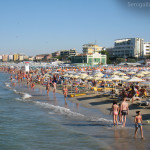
(138, 124)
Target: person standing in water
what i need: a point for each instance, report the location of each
(47, 87)
(65, 91)
(138, 124)
(115, 109)
(124, 111)
(54, 88)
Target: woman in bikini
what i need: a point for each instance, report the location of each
(65, 90)
(115, 109)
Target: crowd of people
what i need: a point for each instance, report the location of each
(37, 76)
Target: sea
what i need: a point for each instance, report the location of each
(33, 120)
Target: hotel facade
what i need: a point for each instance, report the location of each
(127, 47)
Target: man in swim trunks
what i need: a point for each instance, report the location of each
(124, 110)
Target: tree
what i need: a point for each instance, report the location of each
(103, 52)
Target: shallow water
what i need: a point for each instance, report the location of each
(29, 119)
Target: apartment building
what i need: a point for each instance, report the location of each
(146, 48)
(127, 47)
(91, 48)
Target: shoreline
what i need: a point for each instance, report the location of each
(104, 104)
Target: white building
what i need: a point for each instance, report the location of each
(127, 47)
(10, 57)
(146, 48)
(1, 57)
(92, 59)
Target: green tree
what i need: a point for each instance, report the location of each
(103, 52)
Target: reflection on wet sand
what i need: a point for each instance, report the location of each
(124, 140)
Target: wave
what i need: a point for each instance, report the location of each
(26, 96)
(7, 84)
(59, 109)
(69, 113)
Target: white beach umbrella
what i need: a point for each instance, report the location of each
(140, 75)
(117, 79)
(89, 78)
(135, 79)
(105, 79)
(125, 77)
(76, 77)
(83, 75)
(99, 75)
(131, 72)
(122, 74)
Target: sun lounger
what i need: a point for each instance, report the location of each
(144, 103)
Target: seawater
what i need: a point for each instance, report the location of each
(32, 120)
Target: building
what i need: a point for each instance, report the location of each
(1, 57)
(21, 57)
(56, 54)
(91, 59)
(91, 48)
(5, 58)
(39, 57)
(31, 58)
(127, 47)
(10, 57)
(47, 57)
(16, 57)
(65, 54)
(146, 48)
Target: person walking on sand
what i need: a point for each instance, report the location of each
(138, 124)
(115, 109)
(124, 111)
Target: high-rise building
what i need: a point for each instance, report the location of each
(127, 47)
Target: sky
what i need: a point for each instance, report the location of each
(44, 26)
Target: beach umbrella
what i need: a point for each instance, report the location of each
(83, 75)
(65, 75)
(117, 79)
(76, 77)
(131, 72)
(114, 76)
(140, 75)
(121, 74)
(99, 75)
(96, 78)
(105, 79)
(116, 72)
(135, 79)
(125, 77)
(70, 76)
(89, 78)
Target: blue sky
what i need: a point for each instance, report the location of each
(44, 26)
